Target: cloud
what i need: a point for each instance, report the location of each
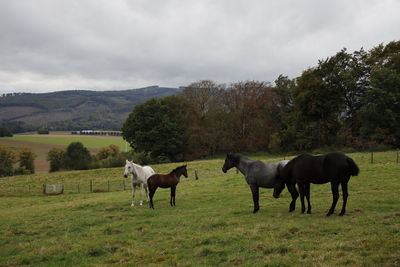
(49, 45)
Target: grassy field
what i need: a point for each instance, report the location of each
(211, 225)
(95, 142)
(41, 144)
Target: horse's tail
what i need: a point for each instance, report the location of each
(353, 168)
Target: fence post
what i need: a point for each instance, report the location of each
(91, 187)
(372, 157)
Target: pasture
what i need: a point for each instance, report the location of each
(41, 144)
(211, 224)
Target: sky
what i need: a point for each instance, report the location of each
(53, 45)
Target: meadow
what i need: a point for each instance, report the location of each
(211, 225)
(41, 144)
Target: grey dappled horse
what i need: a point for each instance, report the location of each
(256, 173)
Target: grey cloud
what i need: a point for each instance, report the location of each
(48, 45)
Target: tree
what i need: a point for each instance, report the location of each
(108, 151)
(381, 113)
(26, 159)
(157, 127)
(205, 118)
(77, 157)
(4, 131)
(7, 160)
(56, 156)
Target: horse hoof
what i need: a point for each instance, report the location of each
(308, 212)
(141, 203)
(341, 214)
(328, 214)
(255, 211)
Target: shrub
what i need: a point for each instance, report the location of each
(77, 157)
(7, 160)
(26, 159)
(56, 156)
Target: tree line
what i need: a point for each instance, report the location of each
(346, 100)
(9, 158)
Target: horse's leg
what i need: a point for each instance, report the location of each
(302, 189)
(335, 197)
(254, 191)
(133, 194)
(307, 191)
(293, 192)
(146, 189)
(152, 190)
(173, 191)
(140, 194)
(345, 195)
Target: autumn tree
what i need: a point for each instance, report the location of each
(7, 161)
(26, 159)
(56, 157)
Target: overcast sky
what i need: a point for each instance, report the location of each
(52, 45)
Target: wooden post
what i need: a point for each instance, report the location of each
(91, 187)
(372, 157)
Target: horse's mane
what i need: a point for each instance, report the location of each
(176, 169)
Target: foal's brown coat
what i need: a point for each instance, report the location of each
(164, 181)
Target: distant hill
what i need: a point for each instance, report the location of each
(77, 109)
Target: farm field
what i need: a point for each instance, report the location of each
(212, 223)
(41, 144)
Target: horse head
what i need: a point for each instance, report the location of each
(128, 168)
(184, 171)
(181, 170)
(231, 161)
(279, 181)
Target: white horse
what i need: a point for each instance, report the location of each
(140, 174)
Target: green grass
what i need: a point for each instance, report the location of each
(87, 141)
(211, 225)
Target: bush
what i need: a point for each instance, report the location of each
(5, 132)
(77, 157)
(26, 159)
(56, 156)
(7, 160)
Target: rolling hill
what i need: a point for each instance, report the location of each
(77, 109)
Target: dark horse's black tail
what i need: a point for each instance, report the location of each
(353, 168)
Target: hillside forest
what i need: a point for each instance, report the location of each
(346, 100)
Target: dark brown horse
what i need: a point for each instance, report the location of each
(164, 181)
(335, 168)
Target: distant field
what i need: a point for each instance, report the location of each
(94, 141)
(211, 225)
(41, 144)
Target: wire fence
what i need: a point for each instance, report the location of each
(9, 188)
(68, 188)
